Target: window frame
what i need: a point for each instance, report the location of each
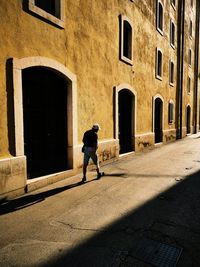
(171, 112)
(159, 77)
(171, 75)
(191, 4)
(190, 29)
(173, 3)
(190, 57)
(59, 21)
(161, 31)
(125, 59)
(172, 34)
(189, 85)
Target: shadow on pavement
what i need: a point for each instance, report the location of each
(28, 200)
(171, 218)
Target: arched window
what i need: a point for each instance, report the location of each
(190, 57)
(126, 40)
(190, 29)
(159, 64)
(189, 85)
(160, 17)
(172, 34)
(171, 72)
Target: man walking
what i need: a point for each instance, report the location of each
(90, 141)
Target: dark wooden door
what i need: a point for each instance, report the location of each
(158, 121)
(45, 121)
(188, 119)
(125, 100)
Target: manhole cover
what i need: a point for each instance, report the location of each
(157, 254)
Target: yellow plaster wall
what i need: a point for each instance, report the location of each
(89, 47)
(23, 35)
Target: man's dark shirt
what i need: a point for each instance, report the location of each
(90, 138)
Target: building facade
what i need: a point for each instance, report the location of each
(130, 65)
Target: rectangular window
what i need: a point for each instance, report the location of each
(51, 10)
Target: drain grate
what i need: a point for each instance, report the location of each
(156, 253)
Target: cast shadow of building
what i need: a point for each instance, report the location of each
(170, 218)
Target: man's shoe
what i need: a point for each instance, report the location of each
(84, 179)
(99, 175)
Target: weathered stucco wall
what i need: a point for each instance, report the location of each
(90, 49)
(24, 35)
(12, 176)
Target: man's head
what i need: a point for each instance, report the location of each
(96, 127)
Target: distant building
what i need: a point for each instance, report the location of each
(130, 65)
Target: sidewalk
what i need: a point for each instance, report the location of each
(144, 212)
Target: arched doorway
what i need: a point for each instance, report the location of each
(158, 121)
(188, 115)
(45, 121)
(125, 120)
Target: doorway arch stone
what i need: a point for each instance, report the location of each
(38, 61)
(158, 114)
(188, 119)
(118, 89)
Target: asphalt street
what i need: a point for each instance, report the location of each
(144, 212)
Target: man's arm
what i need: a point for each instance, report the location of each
(84, 138)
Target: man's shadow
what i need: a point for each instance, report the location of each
(7, 206)
(28, 200)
